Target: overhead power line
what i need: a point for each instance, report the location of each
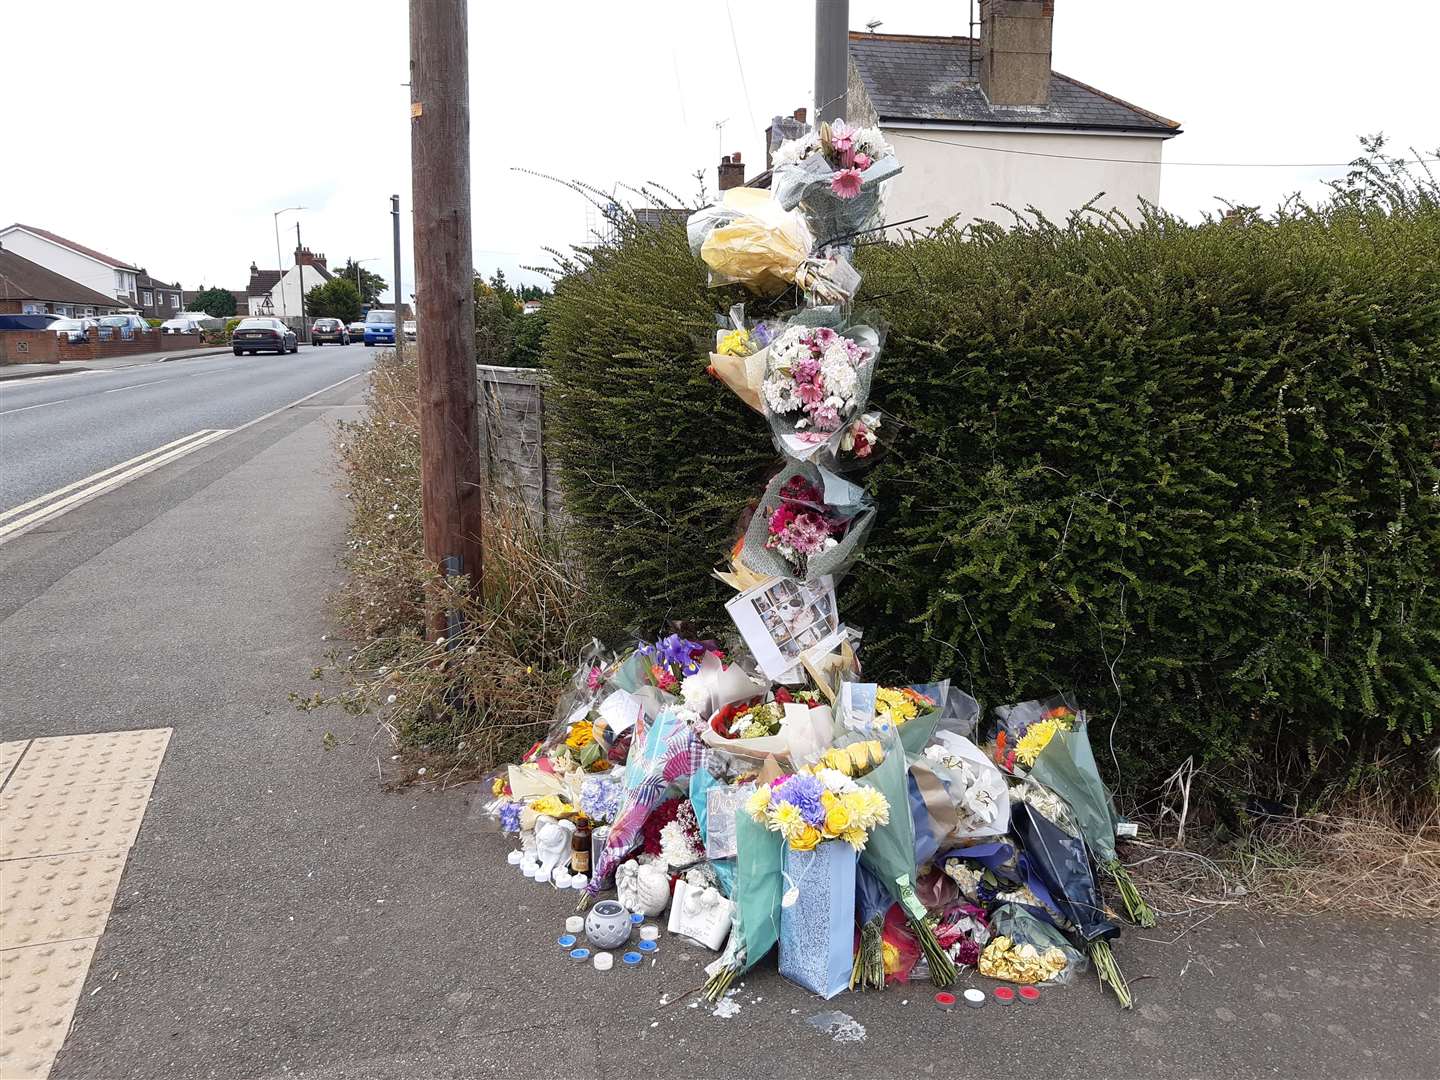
(1134, 161)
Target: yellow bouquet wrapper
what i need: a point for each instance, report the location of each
(743, 374)
(762, 249)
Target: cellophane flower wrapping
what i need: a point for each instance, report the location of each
(811, 524)
(817, 930)
(1024, 928)
(759, 886)
(817, 387)
(666, 757)
(1067, 767)
(834, 221)
(749, 239)
(1061, 862)
(726, 802)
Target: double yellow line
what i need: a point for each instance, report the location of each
(27, 515)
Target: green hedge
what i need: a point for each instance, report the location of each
(1187, 471)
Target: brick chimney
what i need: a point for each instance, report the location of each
(732, 172)
(1015, 51)
(303, 255)
(782, 128)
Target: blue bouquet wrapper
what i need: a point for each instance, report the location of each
(817, 932)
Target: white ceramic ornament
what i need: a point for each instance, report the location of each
(607, 925)
(645, 889)
(552, 844)
(702, 915)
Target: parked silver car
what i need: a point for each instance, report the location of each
(180, 326)
(73, 329)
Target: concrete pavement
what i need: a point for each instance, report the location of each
(280, 915)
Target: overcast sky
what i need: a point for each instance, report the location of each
(167, 133)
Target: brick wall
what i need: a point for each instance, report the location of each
(44, 347)
(28, 347)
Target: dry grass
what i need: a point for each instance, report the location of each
(486, 691)
(1372, 851)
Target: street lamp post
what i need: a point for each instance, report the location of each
(280, 259)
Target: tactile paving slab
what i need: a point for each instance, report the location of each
(58, 897)
(112, 757)
(39, 987)
(35, 822)
(9, 754)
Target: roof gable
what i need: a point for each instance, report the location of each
(21, 279)
(91, 253)
(919, 79)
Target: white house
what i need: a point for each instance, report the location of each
(276, 292)
(983, 121)
(96, 271)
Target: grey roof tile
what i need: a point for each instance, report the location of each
(921, 79)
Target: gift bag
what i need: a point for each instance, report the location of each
(817, 930)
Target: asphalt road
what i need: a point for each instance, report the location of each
(60, 429)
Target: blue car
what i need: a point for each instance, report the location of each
(380, 328)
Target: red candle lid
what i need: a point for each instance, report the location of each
(1030, 994)
(945, 999)
(1004, 994)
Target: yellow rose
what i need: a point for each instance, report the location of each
(837, 820)
(805, 839)
(581, 735)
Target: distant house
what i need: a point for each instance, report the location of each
(279, 292)
(530, 307)
(96, 271)
(27, 288)
(157, 300)
(981, 121)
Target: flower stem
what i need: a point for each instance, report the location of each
(1110, 973)
(942, 968)
(1135, 906)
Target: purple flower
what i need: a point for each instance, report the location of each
(803, 792)
(675, 651)
(510, 817)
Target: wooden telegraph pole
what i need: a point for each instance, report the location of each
(452, 483)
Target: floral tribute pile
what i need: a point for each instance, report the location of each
(759, 788)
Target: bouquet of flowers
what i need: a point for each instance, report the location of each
(740, 356)
(808, 808)
(817, 380)
(810, 525)
(1027, 728)
(759, 719)
(600, 798)
(750, 239)
(833, 174)
(672, 658)
(1065, 764)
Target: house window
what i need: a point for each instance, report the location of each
(175, 301)
(147, 299)
(33, 309)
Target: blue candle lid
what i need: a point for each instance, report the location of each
(636, 918)
(648, 946)
(566, 941)
(631, 958)
(581, 953)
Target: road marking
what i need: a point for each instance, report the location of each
(42, 405)
(136, 386)
(54, 509)
(96, 476)
(118, 475)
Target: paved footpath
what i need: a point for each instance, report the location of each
(280, 915)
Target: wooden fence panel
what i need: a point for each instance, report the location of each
(512, 429)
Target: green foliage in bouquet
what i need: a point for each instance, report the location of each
(657, 459)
